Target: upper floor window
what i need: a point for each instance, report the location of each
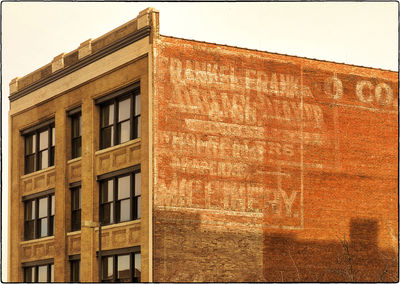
(39, 147)
(76, 207)
(120, 196)
(39, 271)
(76, 133)
(124, 266)
(120, 117)
(39, 215)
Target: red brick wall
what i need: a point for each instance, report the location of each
(272, 168)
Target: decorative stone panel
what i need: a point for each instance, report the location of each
(37, 249)
(120, 235)
(74, 243)
(38, 181)
(74, 170)
(118, 157)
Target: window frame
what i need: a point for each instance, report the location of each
(73, 188)
(114, 254)
(76, 114)
(35, 131)
(49, 194)
(135, 210)
(113, 99)
(48, 263)
(73, 259)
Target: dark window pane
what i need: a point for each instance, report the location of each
(30, 164)
(76, 126)
(107, 269)
(107, 115)
(51, 230)
(76, 198)
(76, 147)
(30, 144)
(44, 140)
(137, 270)
(75, 271)
(30, 210)
(124, 109)
(137, 105)
(107, 191)
(76, 220)
(107, 213)
(123, 268)
(42, 273)
(107, 137)
(43, 159)
(29, 274)
(124, 131)
(52, 156)
(138, 184)
(29, 230)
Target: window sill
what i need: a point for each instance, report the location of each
(37, 240)
(123, 224)
(74, 160)
(38, 172)
(73, 233)
(128, 143)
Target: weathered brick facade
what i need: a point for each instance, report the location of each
(254, 166)
(269, 167)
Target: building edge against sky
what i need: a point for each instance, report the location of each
(233, 147)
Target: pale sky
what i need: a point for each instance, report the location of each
(359, 33)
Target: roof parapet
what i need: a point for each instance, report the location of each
(85, 48)
(147, 18)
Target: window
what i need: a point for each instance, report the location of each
(39, 271)
(39, 147)
(76, 207)
(76, 134)
(75, 263)
(120, 196)
(121, 267)
(120, 117)
(39, 215)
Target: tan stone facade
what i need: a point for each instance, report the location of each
(254, 166)
(108, 64)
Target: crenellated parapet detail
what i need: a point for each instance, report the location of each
(146, 23)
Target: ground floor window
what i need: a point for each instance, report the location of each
(123, 266)
(75, 263)
(41, 271)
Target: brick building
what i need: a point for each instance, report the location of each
(202, 162)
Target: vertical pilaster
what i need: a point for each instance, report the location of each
(61, 266)
(15, 236)
(146, 247)
(89, 191)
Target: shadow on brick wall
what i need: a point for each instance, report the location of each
(188, 247)
(356, 258)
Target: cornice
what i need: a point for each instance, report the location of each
(135, 36)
